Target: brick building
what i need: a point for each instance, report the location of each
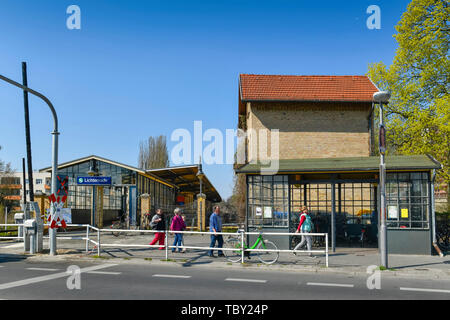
(317, 134)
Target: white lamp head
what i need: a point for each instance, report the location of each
(381, 97)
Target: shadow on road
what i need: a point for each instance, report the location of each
(7, 257)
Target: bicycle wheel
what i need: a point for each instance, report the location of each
(116, 225)
(233, 255)
(268, 257)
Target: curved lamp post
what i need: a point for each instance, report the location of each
(382, 97)
(55, 133)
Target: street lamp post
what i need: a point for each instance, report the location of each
(55, 133)
(382, 97)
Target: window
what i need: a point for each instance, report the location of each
(407, 200)
(38, 181)
(268, 204)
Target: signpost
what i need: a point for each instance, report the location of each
(94, 181)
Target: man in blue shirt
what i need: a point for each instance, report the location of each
(215, 225)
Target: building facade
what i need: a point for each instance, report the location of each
(326, 161)
(123, 194)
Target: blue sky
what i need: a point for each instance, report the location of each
(144, 68)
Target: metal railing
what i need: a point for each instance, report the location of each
(18, 225)
(240, 234)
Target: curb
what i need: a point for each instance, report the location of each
(426, 274)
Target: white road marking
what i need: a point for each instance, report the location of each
(330, 284)
(246, 280)
(43, 269)
(17, 245)
(425, 290)
(104, 272)
(170, 276)
(50, 277)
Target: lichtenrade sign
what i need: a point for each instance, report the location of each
(94, 181)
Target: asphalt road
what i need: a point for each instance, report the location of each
(22, 279)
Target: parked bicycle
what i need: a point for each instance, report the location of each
(120, 224)
(234, 242)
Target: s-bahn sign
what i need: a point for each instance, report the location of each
(94, 181)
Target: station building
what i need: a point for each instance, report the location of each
(326, 161)
(132, 191)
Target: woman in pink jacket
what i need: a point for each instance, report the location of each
(177, 225)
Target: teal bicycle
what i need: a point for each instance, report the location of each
(234, 242)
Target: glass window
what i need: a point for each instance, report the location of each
(268, 201)
(407, 200)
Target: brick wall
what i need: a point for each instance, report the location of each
(310, 130)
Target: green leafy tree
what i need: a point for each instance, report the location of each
(418, 114)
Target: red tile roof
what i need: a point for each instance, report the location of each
(305, 88)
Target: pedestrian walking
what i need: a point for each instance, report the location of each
(158, 223)
(305, 226)
(215, 225)
(177, 225)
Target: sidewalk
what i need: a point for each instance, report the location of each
(353, 261)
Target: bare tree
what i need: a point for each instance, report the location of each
(6, 178)
(153, 153)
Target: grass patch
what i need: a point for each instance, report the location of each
(148, 259)
(229, 263)
(99, 257)
(168, 260)
(382, 268)
(126, 258)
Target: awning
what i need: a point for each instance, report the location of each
(185, 178)
(351, 164)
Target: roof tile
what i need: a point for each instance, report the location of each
(306, 88)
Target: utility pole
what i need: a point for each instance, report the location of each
(27, 132)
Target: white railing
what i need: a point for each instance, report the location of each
(240, 234)
(18, 225)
